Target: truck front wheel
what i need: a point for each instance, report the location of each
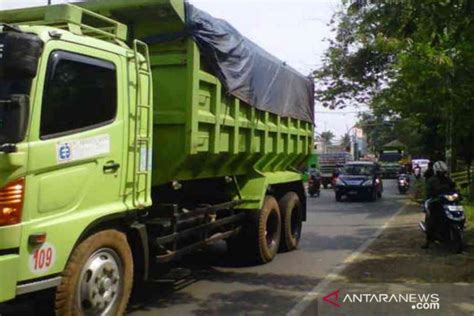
(98, 278)
(290, 208)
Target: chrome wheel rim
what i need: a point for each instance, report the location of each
(100, 283)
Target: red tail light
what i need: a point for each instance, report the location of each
(11, 202)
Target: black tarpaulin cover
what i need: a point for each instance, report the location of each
(248, 71)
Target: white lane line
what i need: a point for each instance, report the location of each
(306, 301)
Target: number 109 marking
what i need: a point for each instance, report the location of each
(42, 259)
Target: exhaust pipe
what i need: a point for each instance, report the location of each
(422, 226)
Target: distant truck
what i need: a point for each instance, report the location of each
(391, 157)
(389, 161)
(330, 162)
(124, 145)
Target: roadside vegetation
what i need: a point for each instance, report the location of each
(412, 63)
(470, 220)
(397, 257)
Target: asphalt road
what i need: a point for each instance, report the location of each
(212, 283)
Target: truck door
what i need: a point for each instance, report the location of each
(76, 153)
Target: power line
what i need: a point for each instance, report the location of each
(339, 113)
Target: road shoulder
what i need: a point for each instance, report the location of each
(397, 257)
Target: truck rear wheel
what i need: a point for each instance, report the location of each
(98, 278)
(292, 218)
(267, 225)
(259, 240)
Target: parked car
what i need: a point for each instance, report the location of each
(359, 179)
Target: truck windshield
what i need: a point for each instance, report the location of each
(390, 157)
(355, 170)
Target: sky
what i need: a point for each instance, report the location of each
(293, 30)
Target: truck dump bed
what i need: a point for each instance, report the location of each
(200, 129)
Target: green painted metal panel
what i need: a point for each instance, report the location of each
(207, 133)
(200, 130)
(8, 275)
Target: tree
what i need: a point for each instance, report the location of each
(346, 141)
(327, 137)
(412, 62)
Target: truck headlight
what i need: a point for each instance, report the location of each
(340, 182)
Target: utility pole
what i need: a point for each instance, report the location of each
(49, 2)
(449, 155)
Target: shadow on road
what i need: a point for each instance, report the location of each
(315, 241)
(207, 266)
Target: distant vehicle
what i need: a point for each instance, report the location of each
(389, 161)
(423, 163)
(330, 163)
(403, 183)
(359, 179)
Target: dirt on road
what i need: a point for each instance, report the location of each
(397, 257)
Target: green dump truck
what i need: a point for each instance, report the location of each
(121, 148)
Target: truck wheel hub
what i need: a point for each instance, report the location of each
(100, 283)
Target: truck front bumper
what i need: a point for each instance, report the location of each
(8, 276)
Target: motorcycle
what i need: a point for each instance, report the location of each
(403, 183)
(314, 186)
(445, 220)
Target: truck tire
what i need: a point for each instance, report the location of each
(267, 225)
(338, 197)
(98, 277)
(292, 221)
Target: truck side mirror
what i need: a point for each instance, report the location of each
(20, 53)
(14, 115)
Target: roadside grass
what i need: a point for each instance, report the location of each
(418, 193)
(469, 208)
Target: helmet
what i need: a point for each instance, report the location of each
(440, 166)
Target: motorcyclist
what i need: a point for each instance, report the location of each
(429, 172)
(436, 185)
(315, 178)
(417, 171)
(402, 170)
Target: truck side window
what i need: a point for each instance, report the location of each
(80, 94)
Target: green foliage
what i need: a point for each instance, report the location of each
(346, 141)
(412, 62)
(419, 190)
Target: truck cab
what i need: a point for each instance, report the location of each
(67, 104)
